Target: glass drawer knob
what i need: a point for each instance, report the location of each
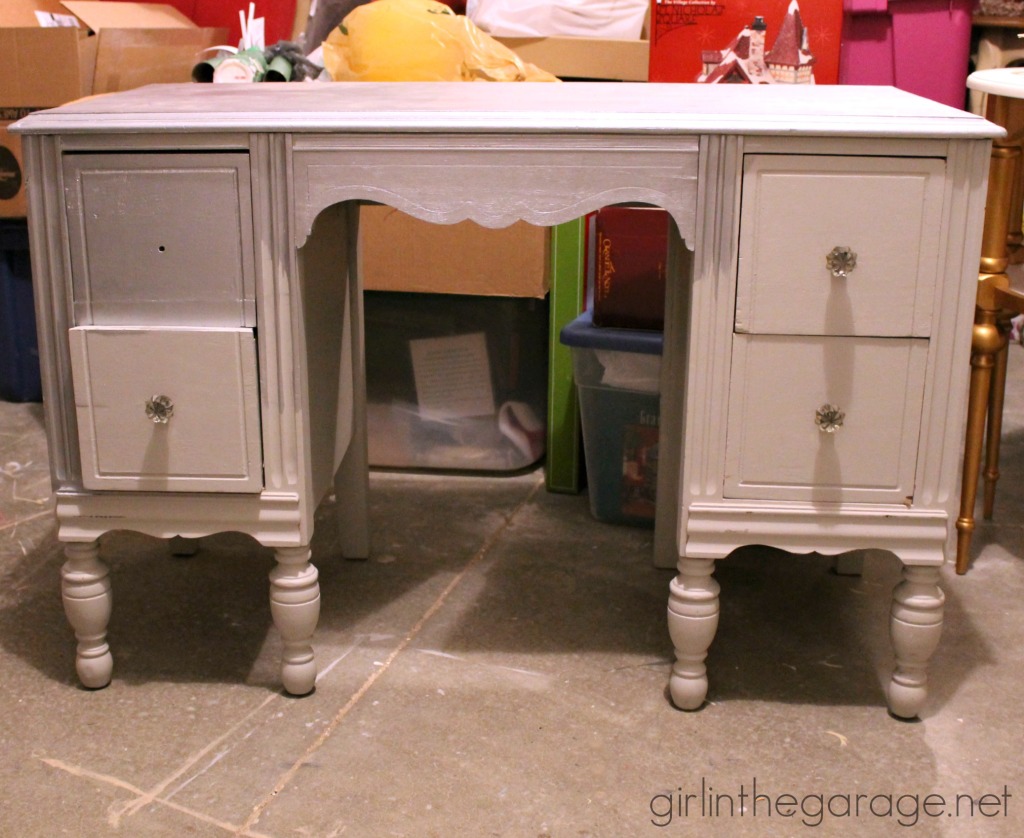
(160, 409)
(841, 261)
(829, 418)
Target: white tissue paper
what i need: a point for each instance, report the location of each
(616, 19)
(635, 371)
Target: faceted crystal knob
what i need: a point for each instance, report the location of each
(159, 409)
(829, 418)
(841, 261)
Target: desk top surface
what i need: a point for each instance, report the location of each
(510, 108)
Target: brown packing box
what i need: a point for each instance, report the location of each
(585, 58)
(402, 253)
(116, 46)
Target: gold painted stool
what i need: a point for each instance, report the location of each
(996, 300)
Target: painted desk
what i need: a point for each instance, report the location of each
(200, 324)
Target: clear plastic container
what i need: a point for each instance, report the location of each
(617, 374)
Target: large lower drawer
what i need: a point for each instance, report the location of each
(777, 449)
(167, 409)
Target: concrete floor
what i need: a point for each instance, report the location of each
(498, 668)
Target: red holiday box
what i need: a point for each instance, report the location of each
(629, 267)
(746, 41)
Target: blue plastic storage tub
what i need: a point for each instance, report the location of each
(19, 353)
(617, 375)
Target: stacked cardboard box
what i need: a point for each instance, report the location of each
(55, 52)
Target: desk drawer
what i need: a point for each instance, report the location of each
(776, 450)
(797, 209)
(210, 442)
(160, 239)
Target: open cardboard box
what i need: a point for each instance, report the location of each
(105, 46)
(597, 59)
(592, 59)
(402, 253)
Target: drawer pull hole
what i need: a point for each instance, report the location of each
(162, 249)
(841, 261)
(159, 409)
(829, 418)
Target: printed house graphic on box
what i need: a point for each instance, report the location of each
(745, 41)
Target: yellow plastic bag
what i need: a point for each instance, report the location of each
(419, 40)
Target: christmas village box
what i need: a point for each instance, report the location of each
(745, 41)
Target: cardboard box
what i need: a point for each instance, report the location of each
(600, 59)
(402, 253)
(104, 46)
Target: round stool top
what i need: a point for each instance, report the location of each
(999, 81)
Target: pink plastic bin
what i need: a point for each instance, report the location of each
(921, 46)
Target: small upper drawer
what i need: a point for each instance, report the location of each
(161, 239)
(798, 209)
(167, 409)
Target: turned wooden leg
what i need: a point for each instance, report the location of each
(85, 589)
(692, 622)
(915, 626)
(994, 432)
(985, 344)
(295, 608)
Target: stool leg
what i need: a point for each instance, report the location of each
(985, 344)
(1014, 125)
(986, 340)
(994, 433)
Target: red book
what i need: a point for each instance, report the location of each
(746, 41)
(629, 267)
